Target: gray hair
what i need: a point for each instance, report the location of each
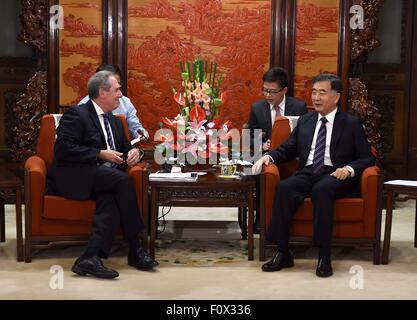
(99, 80)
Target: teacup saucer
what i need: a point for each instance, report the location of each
(229, 177)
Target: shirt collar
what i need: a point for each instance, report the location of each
(329, 117)
(97, 107)
(281, 105)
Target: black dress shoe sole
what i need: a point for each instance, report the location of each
(84, 273)
(143, 268)
(272, 269)
(324, 275)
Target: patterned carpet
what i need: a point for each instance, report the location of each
(201, 252)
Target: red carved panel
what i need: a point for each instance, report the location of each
(80, 47)
(316, 43)
(162, 32)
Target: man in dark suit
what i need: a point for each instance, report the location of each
(89, 152)
(276, 103)
(263, 113)
(333, 151)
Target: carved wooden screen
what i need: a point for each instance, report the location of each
(236, 34)
(80, 47)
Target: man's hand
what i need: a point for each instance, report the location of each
(341, 173)
(132, 157)
(257, 167)
(267, 145)
(111, 156)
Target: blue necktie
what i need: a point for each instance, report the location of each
(318, 159)
(109, 136)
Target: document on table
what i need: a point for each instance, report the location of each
(410, 183)
(187, 176)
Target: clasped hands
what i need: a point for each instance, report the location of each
(117, 157)
(339, 173)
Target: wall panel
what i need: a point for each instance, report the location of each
(80, 47)
(161, 33)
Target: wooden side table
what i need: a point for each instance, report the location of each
(393, 190)
(11, 185)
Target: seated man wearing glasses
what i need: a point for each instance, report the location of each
(263, 113)
(276, 103)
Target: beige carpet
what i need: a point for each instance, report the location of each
(199, 267)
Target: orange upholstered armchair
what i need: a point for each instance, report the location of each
(357, 221)
(51, 219)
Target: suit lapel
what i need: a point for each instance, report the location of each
(288, 106)
(338, 126)
(266, 113)
(96, 121)
(310, 128)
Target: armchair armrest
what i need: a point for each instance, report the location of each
(369, 175)
(271, 179)
(35, 167)
(137, 172)
(35, 189)
(371, 189)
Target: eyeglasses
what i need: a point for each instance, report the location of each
(271, 92)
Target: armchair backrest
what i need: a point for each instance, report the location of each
(280, 132)
(47, 133)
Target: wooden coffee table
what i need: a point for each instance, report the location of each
(208, 191)
(11, 185)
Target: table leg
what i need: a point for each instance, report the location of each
(415, 229)
(154, 224)
(2, 221)
(244, 224)
(250, 226)
(388, 222)
(19, 236)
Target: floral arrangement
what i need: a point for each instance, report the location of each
(197, 133)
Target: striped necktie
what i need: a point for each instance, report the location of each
(318, 159)
(108, 131)
(277, 111)
(109, 136)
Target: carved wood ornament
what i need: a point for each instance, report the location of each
(364, 109)
(34, 24)
(29, 111)
(364, 40)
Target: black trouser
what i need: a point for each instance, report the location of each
(290, 194)
(116, 203)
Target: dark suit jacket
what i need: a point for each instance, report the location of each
(79, 141)
(260, 114)
(348, 145)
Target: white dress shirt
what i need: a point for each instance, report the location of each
(329, 130)
(274, 113)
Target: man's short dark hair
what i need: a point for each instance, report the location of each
(110, 67)
(335, 82)
(277, 75)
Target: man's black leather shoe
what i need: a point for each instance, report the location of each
(141, 260)
(324, 267)
(279, 261)
(93, 266)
